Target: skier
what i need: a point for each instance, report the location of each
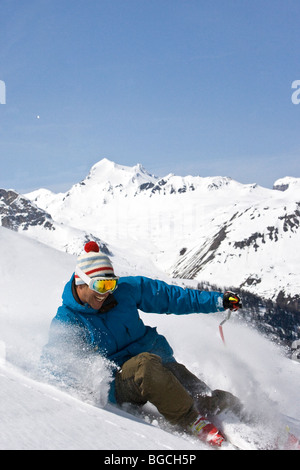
(99, 315)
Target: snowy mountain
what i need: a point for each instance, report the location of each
(210, 229)
(37, 415)
(19, 214)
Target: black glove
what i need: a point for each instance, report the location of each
(231, 301)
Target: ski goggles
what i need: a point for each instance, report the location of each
(101, 285)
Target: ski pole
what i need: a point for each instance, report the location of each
(221, 326)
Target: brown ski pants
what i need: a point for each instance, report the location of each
(177, 393)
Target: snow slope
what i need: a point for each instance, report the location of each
(37, 415)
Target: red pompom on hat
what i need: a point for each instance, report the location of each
(93, 263)
(91, 246)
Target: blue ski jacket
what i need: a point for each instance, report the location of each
(119, 333)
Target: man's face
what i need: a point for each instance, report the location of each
(91, 297)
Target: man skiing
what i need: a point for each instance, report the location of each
(99, 315)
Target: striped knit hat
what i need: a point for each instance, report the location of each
(93, 263)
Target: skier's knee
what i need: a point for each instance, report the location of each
(148, 365)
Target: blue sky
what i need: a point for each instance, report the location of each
(199, 87)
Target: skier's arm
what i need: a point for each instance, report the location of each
(159, 297)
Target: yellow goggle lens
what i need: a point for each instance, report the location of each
(104, 285)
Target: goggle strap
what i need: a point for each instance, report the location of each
(82, 275)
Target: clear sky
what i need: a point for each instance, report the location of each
(199, 87)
